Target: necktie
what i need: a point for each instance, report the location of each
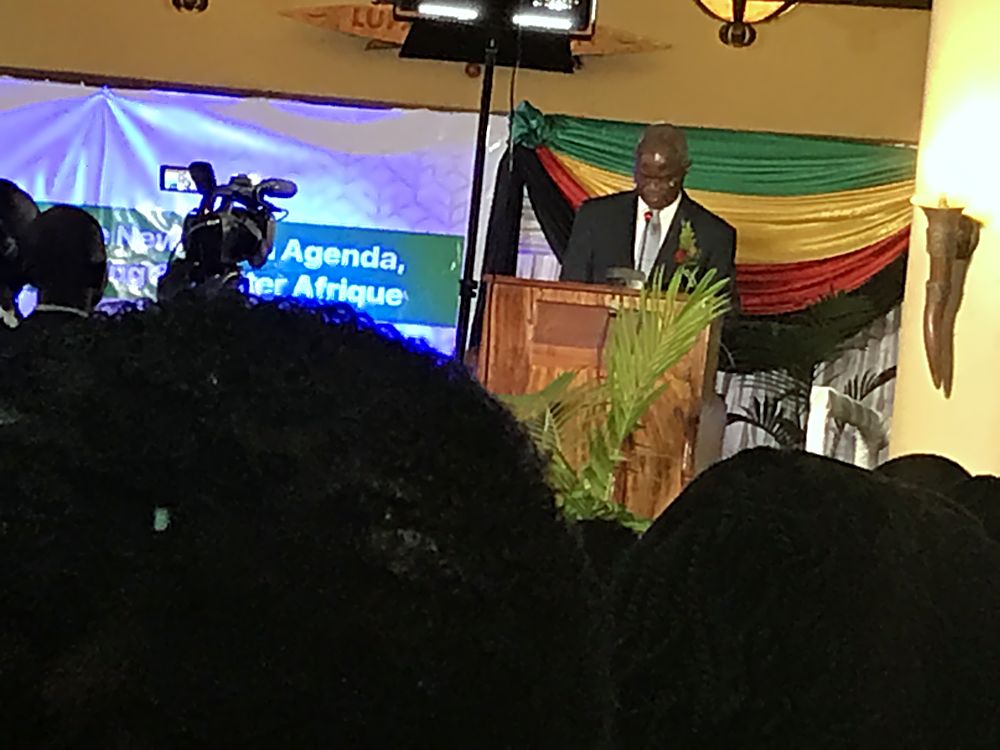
(652, 239)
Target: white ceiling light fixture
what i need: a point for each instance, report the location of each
(539, 21)
(465, 13)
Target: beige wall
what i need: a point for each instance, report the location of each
(958, 161)
(820, 69)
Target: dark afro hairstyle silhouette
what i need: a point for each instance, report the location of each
(981, 497)
(926, 471)
(250, 525)
(790, 601)
(17, 211)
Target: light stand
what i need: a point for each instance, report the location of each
(496, 39)
(467, 286)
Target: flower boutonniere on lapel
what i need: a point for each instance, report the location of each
(688, 252)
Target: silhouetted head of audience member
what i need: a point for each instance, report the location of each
(925, 471)
(67, 261)
(790, 601)
(981, 497)
(606, 543)
(17, 211)
(232, 524)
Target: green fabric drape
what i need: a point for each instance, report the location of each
(728, 161)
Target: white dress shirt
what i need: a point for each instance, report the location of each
(667, 215)
(62, 309)
(8, 318)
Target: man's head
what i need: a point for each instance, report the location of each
(227, 525)
(788, 600)
(981, 497)
(926, 471)
(17, 211)
(661, 162)
(67, 260)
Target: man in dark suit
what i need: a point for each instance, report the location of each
(641, 229)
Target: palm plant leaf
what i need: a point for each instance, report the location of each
(646, 337)
(775, 418)
(797, 343)
(547, 413)
(528, 405)
(862, 386)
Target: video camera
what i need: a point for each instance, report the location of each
(233, 224)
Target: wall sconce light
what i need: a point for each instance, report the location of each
(952, 236)
(196, 5)
(739, 17)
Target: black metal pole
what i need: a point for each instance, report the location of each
(467, 286)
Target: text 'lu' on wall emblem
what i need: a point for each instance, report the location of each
(375, 23)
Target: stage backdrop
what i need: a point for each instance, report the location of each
(379, 219)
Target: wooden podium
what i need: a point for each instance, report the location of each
(535, 330)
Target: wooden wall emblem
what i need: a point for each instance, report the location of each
(375, 23)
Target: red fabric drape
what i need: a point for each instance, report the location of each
(774, 289)
(567, 184)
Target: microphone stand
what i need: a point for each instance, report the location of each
(467, 286)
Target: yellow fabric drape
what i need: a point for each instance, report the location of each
(771, 230)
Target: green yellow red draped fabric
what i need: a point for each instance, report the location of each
(814, 216)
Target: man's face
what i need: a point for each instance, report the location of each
(659, 176)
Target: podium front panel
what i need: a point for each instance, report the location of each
(535, 331)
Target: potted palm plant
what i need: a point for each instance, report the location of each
(647, 336)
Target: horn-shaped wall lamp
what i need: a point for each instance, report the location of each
(952, 236)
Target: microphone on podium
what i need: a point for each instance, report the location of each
(632, 278)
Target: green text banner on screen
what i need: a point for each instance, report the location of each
(403, 278)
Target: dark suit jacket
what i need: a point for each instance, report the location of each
(49, 320)
(603, 237)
